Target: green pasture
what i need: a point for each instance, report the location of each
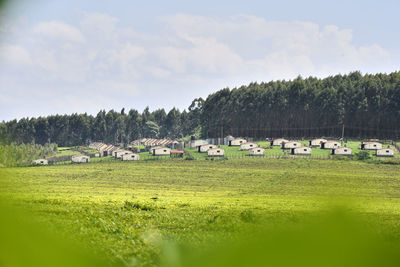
(125, 211)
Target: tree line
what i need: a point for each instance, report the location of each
(361, 105)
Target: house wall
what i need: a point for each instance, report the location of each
(257, 151)
(248, 146)
(301, 151)
(217, 152)
(278, 142)
(330, 145)
(290, 145)
(164, 151)
(342, 151)
(385, 152)
(129, 157)
(317, 142)
(237, 142)
(373, 146)
(205, 148)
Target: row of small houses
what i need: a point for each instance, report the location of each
(202, 146)
(335, 146)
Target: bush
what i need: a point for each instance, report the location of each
(362, 155)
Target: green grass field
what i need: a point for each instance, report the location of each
(125, 211)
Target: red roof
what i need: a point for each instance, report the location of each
(177, 152)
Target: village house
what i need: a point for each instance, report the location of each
(317, 142)
(237, 142)
(161, 151)
(216, 152)
(118, 154)
(130, 156)
(40, 162)
(227, 139)
(345, 151)
(371, 146)
(196, 143)
(80, 159)
(290, 144)
(257, 151)
(205, 148)
(248, 146)
(278, 142)
(301, 150)
(330, 145)
(151, 149)
(385, 152)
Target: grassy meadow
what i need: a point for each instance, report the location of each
(125, 212)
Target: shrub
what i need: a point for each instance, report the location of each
(362, 155)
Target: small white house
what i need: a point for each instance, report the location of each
(131, 156)
(290, 145)
(80, 159)
(371, 146)
(205, 148)
(237, 142)
(196, 143)
(330, 145)
(120, 153)
(161, 151)
(151, 150)
(301, 150)
(345, 151)
(385, 152)
(278, 142)
(317, 142)
(257, 151)
(40, 162)
(216, 152)
(248, 146)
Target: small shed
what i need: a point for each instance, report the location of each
(237, 142)
(257, 151)
(227, 139)
(317, 142)
(301, 150)
(216, 152)
(290, 145)
(118, 154)
(205, 148)
(80, 159)
(248, 146)
(40, 162)
(346, 151)
(385, 152)
(371, 146)
(130, 156)
(330, 145)
(196, 143)
(278, 142)
(161, 151)
(177, 153)
(151, 150)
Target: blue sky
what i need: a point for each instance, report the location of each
(60, 57)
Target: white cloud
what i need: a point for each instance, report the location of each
(189, 56)
(59, 31)
(15, 55)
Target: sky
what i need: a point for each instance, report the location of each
(63, 57)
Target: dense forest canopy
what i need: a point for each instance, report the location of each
(366, 105)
